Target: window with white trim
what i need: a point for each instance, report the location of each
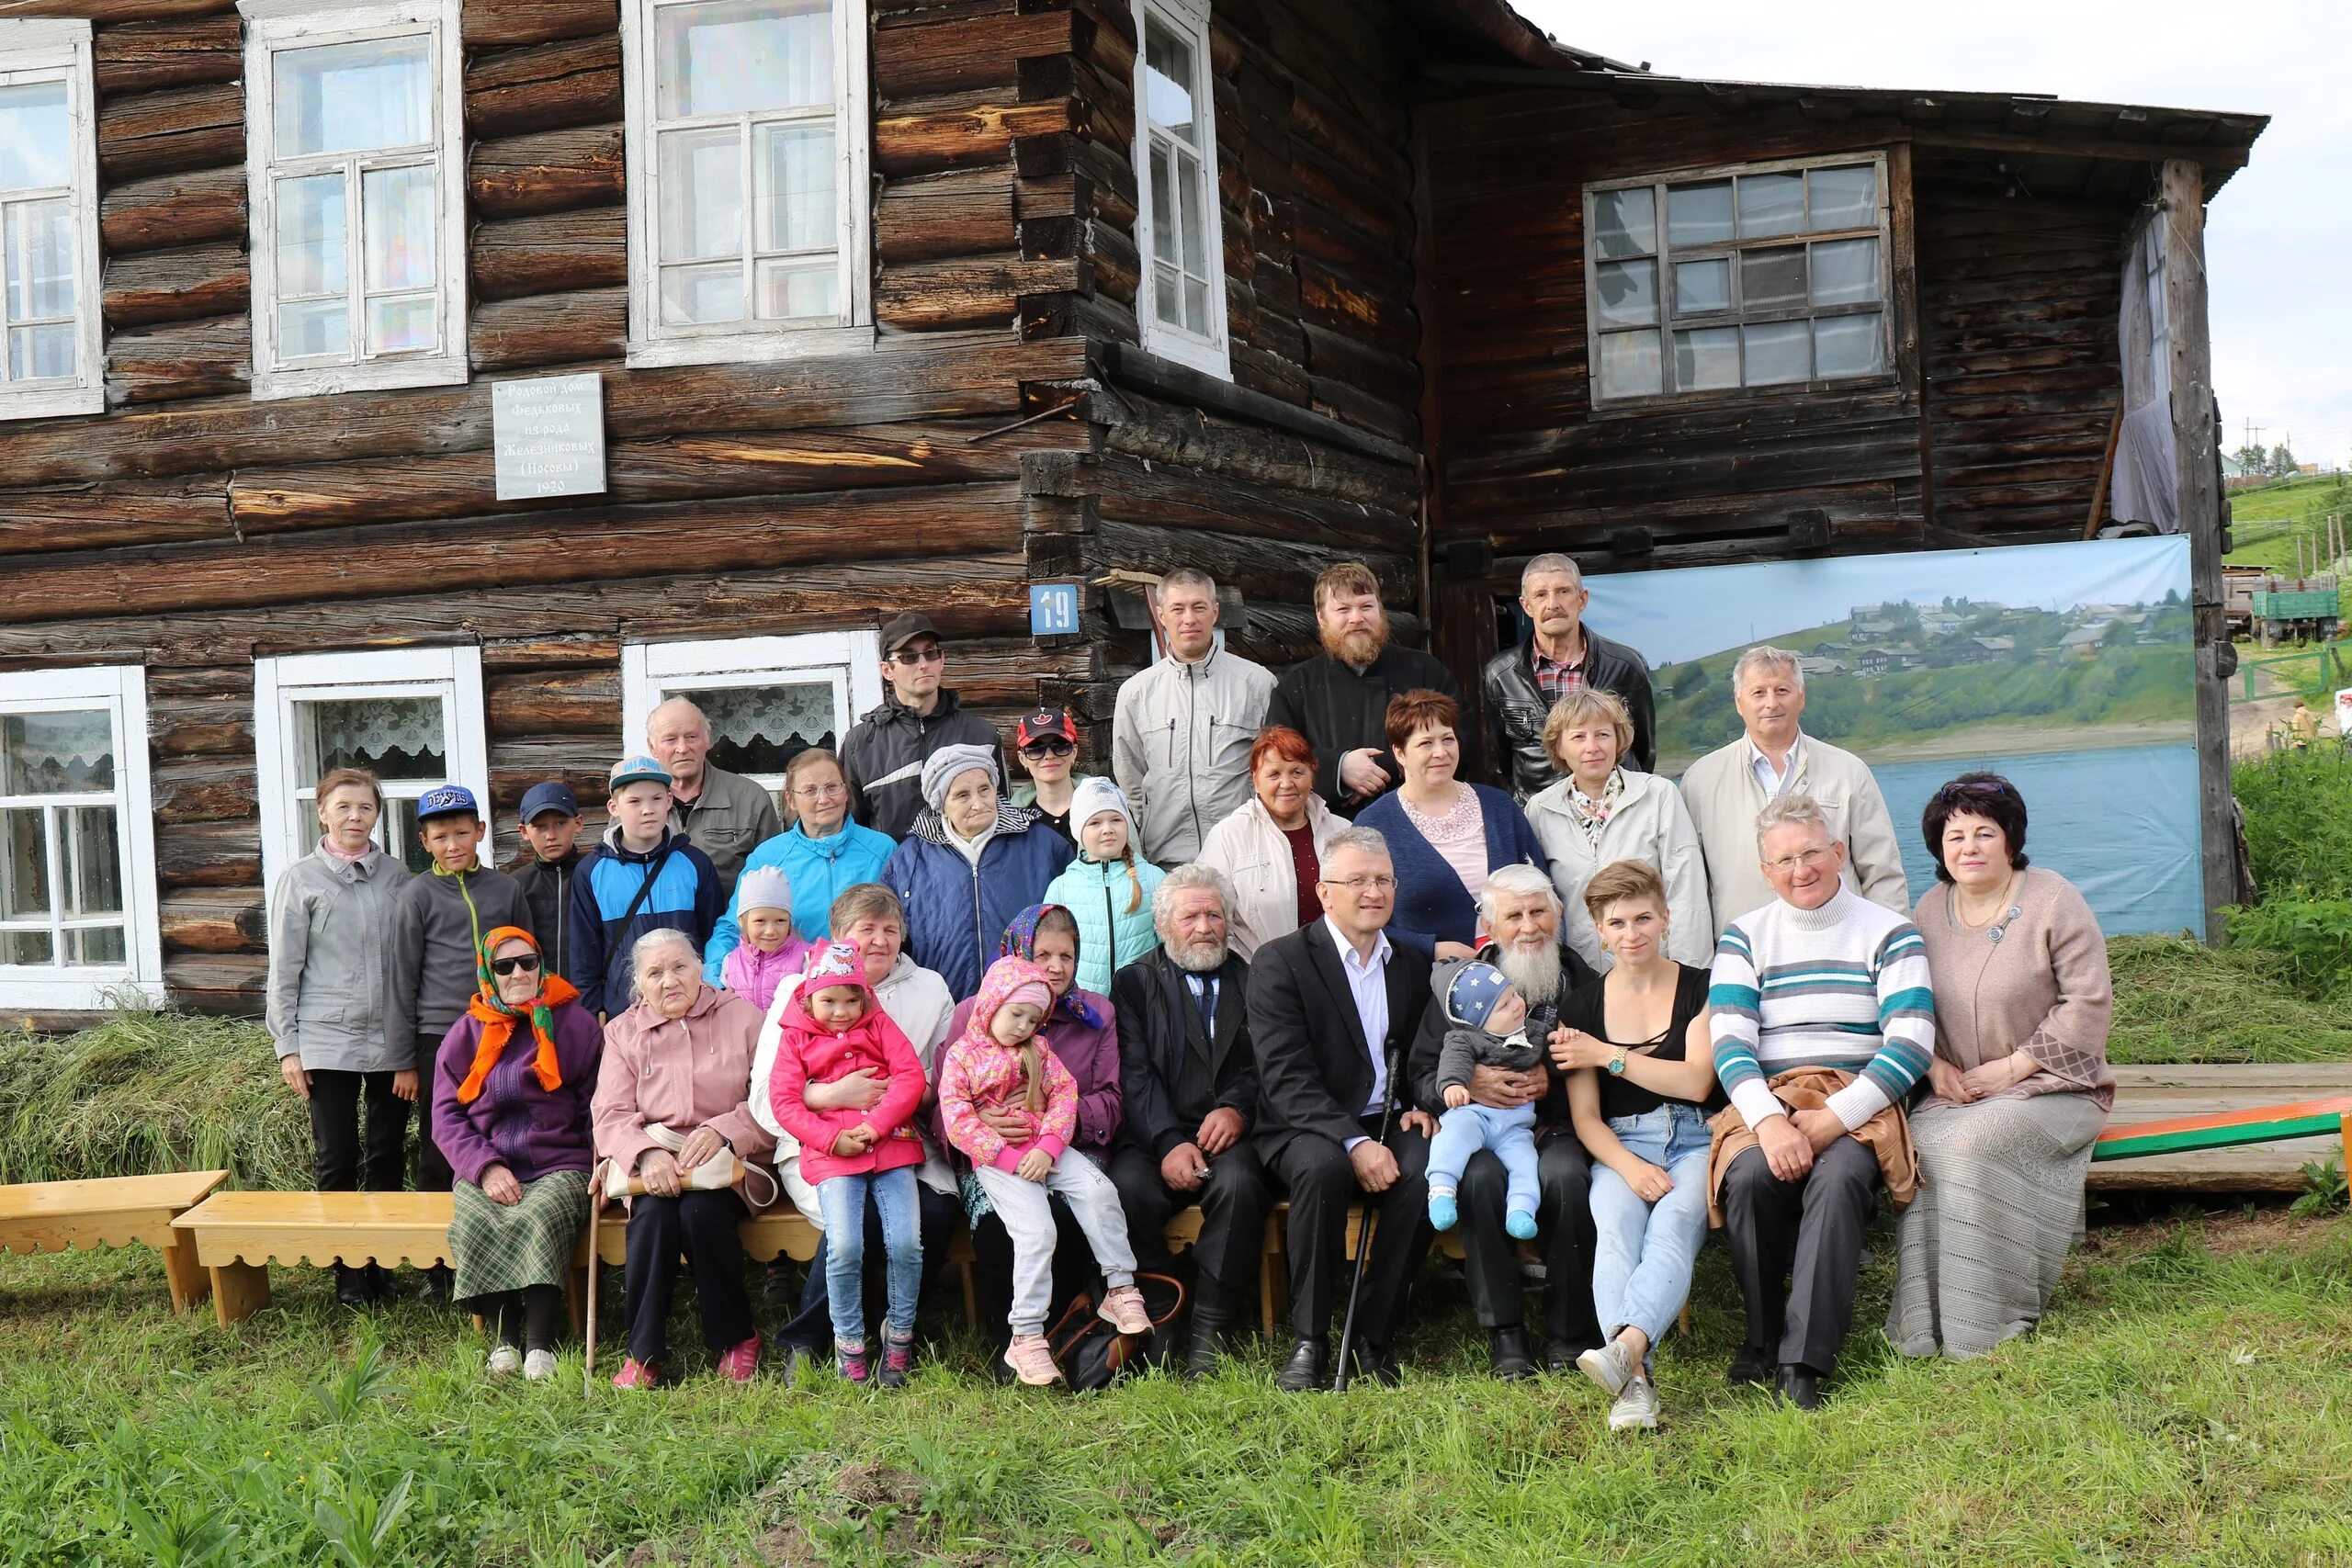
(78, 914)
(412, 716)
(748, 191)
(1180, 302)
(355, 120)
(1767, 274)
(768, 698)
(50, 343)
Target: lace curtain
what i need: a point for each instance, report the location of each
(758, 729)
(393, 738)
(57, 753)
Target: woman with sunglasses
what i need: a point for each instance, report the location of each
(1046, 743)
(511, 1088)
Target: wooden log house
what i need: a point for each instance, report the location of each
(909, 302)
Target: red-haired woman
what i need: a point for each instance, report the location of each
(1272, 849)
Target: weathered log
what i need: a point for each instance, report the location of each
(581, 702)
(105, 12)
(550, 253)
(175, 286)
(140, 57)
(201, 727)
(967, 212)
(972, 291)
(212, 357)
(90, 516)
(958, 135)
(218, 983)
(1334, 299)
(508, 24)
(205, 789)
(963, 54)
(1259, 567)
(173, 209)
(230, 919)
(1392, 377)
(1166, 495)
(181, 128)
(1118, 271)
(556, 650)
(548, 171)
(233, 683)
(546, 86)
(549, 329)
(1166, 433)
(209, 854)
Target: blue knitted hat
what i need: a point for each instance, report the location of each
(1471, 995)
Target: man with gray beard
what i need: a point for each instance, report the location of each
(1190, 1080)
(1521, 914)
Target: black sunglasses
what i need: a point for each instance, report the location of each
(528, 961)
(1054, 747)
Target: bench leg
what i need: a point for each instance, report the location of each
(971, 1293)
(238, 1289)
(185, 1277)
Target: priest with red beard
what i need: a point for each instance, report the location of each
(1338, 699)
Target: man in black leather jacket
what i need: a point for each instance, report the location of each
(1522, 682)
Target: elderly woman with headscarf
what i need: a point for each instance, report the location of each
(510, 1089)
(670, 1101)
(968, 865)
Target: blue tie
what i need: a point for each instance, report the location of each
(1205, 998)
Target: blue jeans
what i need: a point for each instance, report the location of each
(842, 1199)
(1464, 1130)
(1641, 1262)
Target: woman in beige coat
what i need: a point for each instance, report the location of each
(1272, 849)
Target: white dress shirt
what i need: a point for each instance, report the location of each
(1774, 780)
(1368, 984)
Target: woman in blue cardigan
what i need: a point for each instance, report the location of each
(1445, 835)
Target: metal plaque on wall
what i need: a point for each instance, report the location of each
(549, 434)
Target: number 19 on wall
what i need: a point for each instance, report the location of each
(1053, 609)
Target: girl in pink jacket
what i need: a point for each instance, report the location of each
(830, 1028)
(1010, 1107)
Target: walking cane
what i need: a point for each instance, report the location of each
(1363, 1237)
(595, 1247)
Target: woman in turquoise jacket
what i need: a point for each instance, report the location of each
(823, 854)
(1108, 887)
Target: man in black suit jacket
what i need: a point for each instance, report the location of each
(1191, 1086)
(1323, 1077)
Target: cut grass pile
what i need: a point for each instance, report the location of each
(2178, 1001)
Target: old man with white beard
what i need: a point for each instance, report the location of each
(1520, 914)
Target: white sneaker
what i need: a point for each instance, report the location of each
(504, 1361)
(539, 1365)
(1612, 1367)
(1636, 1408)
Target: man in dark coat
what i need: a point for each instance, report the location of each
(1338, 699)
(1332, 1009)
(1560, 655)
(1189, 1081)
(882, 757)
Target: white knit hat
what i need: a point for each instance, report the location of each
(1095, 796)
(763, 888)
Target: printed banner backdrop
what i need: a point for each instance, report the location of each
(2065, 668)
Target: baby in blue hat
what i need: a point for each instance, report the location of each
(1491, 1031)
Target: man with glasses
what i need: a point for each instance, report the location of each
(1181, 737)
(1726, 788)
(883, 757)
(720, 813)
(1332, 1007)
(823, 854)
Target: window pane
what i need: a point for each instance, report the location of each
(1699, 215)
(396, 214)
(1164, 236)
(93, 869)
(1701, 286)
(41, 259)
(393, 738)
(701, 186)
(1167, 79)
(1624, 222)
(1779, 351)
(758, 729)
(24, 863)
(788, 291)
(36, 138)
(1844, 199)
(397, 834)
(345, 97)
(1845, 272)
(730, 56)
(1196, 215)
(57, 753)
(39, 352)
(1168, 294)
(692, 295)
(1629, 365)
(102, 945)
(1707, 359)
(1197, 306)
(24, 947)
(1627, 291)
(1770, 204)
(311, 258)
(308, 331)
(1773, 280)
(797, 210)
(1848, 345)
(398, 326)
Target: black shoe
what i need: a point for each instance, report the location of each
(1510, 1355)
(1801, 1386)
(351, 1288)
(1308, 1365)
(1560, 1354)
(1212, 1323)
(1375, 1364)
(1750, 1368)
(799, 1362)
(780, 1287)
(439, 1280)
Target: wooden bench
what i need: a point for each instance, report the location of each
(116, 1211)
(239, 1234)
(2221, 1128)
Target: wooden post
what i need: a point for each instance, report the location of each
(2198, 485)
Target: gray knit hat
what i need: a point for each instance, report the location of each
(941, 767)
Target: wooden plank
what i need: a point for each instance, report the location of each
(507, 24)
(179, 51)
(321, 1228)
(108, 1195)
(548, 171)
(546, 86)
(183, 209)
(180, 128)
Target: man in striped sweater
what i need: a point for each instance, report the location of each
(1819, 979)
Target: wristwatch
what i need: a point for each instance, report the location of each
(1617, 1063)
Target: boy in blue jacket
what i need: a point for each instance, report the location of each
(644, 876)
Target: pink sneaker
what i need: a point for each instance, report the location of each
(898, 1360)
(741, 1362)
(635, 1373)
(1031, 1360)
(856, 1366)
(1123, 1309)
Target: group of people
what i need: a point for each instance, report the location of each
(1284, 952)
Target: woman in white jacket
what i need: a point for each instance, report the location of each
(1602, 812)
(1272, 848)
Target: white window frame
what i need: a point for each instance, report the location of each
(651, 343)
(273, 25)
(88, 987)
(288, 819)
(1211, 353)
(651, 673)
(57, 48)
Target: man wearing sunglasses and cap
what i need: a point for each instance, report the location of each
(1046, 743)
(883, 756)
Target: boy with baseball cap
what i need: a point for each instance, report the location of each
(549, 859)
(644, 876)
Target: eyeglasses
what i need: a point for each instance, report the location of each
(1363, 883)
(819, 792)
(526, 962)
(911, 657)
(1054, 746)
(1812, 859)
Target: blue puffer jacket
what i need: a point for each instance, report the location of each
(1110, 936)
(684, 897)
(820, 870)
(955, 912)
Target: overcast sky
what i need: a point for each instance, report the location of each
(2279, 236)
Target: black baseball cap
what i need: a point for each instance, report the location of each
(904, 627)
(551, 796)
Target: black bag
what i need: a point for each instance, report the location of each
(1094, 1354)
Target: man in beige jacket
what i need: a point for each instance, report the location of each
(1725, 789)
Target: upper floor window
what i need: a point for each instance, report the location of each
(1770, 275)
(51, 362)
(747, 179)
(1179, 303)
(355, 149)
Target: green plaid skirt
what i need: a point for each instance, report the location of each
(500, 1249)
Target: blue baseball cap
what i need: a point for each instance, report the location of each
(447, 800)
(638, 770)
(551, 796)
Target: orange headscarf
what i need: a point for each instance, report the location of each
(497, 1018)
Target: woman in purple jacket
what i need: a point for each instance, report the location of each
(511, 1090)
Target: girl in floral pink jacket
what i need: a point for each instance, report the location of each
(1010, 1107)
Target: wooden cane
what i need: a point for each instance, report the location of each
(595, 1249)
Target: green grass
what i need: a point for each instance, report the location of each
(2178, 1002)
(2265, 521)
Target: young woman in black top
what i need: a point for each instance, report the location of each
(1640, 1061)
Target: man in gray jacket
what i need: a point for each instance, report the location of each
(1182, 732)
(724, 815)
